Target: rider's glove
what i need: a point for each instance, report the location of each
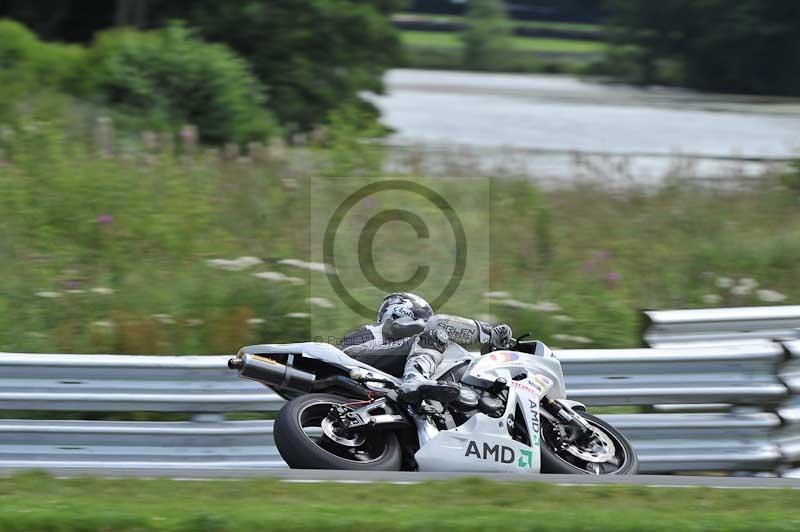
(501, 336)
(435, 339)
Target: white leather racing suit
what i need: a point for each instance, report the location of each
(405, 345)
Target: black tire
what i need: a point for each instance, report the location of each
(301, 451)
(559, 463)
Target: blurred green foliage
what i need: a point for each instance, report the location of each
(493, 52)
(158, 80)
(750, 46)
(106, 242)
(28, 64)
(349, 151)
(309, 57)
(314, 55)
(106, 235)
(168, 77)
(23, 57)
(488, 33)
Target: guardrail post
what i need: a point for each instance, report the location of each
(788, 436)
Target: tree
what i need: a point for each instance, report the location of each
(748, 46)
(487, 35)
(313, 55)
(130, 13)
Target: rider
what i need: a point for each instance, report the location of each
(409, 339)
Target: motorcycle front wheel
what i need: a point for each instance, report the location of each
(607, 453)
(303, 444)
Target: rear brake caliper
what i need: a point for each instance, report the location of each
(345, 419)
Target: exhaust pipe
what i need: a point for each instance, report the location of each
(271, 373)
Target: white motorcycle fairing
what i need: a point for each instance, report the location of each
(484, 443)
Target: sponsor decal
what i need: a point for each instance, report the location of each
(504, 356)
(525, 459)
(524, 386)
(541, 383)
(502, 454)
(454, 332)
(402, 310)
(497, 453)
(533, 408)
(534, 388)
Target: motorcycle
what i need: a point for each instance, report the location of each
(344, 414)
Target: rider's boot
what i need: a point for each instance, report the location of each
(416, 388)
(417, 384)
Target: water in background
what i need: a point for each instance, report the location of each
(561, 128)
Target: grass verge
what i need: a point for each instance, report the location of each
(33, 502)
(452, 40)
(444, 50)
(592, 29)
(145, 250)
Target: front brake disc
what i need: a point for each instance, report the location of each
(598, 449)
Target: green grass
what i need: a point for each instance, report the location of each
(443, 50)
(453, 41)
(109, 253)
(35, 502)
(567, 46)
(565, 26)
(535, 24)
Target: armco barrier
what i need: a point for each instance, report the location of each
(661, 328)
(752, 436)
(734, 374)
(788, 437)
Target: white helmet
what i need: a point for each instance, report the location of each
(401, 304)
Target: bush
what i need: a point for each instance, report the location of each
(28, 62)
(161, 79)
(313, 54)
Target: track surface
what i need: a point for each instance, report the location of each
(288, 475)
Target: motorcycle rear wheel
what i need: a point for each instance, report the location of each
(559, 461)
(303, 445)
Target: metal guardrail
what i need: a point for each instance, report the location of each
(113, 383)
(751, 377)
(662, 328)
(665, 443)
(788, 438)
(734, 374)
(721, 326)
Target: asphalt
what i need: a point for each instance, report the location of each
(194, 473)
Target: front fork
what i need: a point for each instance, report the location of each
(578, 429)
